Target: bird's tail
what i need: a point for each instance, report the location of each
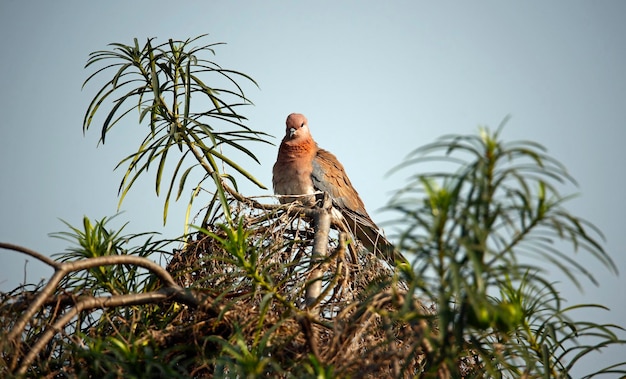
(373, 240)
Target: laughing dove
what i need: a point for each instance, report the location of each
(303, 168)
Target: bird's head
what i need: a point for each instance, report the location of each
(297, 127)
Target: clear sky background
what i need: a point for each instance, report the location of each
(376, 80)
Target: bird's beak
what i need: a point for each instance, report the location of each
(292, 132)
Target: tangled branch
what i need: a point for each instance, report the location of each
(170, 291)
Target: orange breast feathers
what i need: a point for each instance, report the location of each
(294, 164)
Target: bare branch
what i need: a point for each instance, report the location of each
(320, 251)
(291, 207)
(32, 253)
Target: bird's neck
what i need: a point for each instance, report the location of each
(291, 150)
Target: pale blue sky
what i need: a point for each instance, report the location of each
(376, 80)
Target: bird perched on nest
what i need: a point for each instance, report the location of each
(303, 168)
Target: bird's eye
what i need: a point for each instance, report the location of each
(302, 126)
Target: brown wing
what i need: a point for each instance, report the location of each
(328, 175)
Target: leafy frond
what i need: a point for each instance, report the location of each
(160, 81)
(486, 234)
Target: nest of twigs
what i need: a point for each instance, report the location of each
(350, 326)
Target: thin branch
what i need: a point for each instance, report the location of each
(32, 253)
(291, 208)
